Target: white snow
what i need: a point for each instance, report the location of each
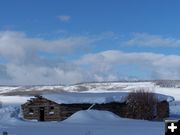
(13, 99)
(92, 116)
(175, 92)
(87, 87)
(95, 97)
(4, 89)
(86, 97)
(88, 122)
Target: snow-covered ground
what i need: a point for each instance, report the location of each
(89, 122)
(93, 88)
(85, 87)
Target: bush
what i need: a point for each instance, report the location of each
(141, 105)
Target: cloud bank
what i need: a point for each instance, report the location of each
(24, 64)
(33, 61)
(161, 66)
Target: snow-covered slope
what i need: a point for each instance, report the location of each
(92, 116)
(175, 92)
(91, 122)
(86, 87)
(91, 88)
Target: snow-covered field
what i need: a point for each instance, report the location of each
(89, 122)
(85, 87)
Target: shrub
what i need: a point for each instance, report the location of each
(141, 105)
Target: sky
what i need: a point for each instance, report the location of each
(48, 42)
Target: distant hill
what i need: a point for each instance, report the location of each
(89, 87)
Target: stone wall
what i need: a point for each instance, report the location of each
(56, 112)
(31, 110)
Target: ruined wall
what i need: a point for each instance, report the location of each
(67, 110)
(31, 110)
(57, 112)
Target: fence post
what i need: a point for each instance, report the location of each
(5, 133)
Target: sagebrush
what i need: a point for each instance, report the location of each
(141, 104)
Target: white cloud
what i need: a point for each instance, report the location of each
(161, 66)
(17, 45)
(147, 40)
(34, 74)
(23, 65)
(64, 18)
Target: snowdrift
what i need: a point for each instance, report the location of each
(92, 116)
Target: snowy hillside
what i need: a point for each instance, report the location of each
(85, 87)
(91, 88)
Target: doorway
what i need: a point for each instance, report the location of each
(41, 114)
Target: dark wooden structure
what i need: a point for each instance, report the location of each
(42, 109)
